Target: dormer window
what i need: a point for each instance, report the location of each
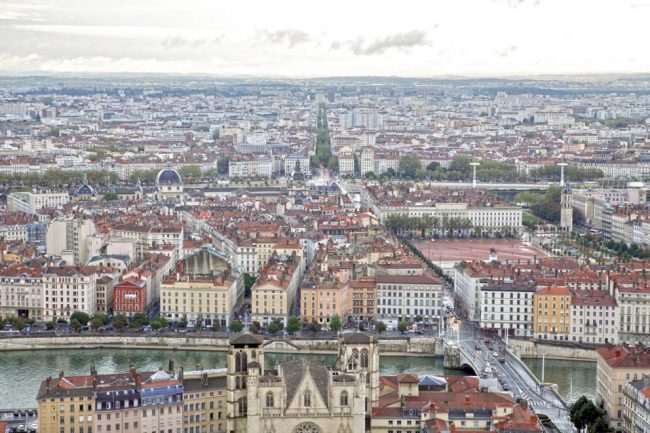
(306, 399)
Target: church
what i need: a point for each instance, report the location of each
(300, 395)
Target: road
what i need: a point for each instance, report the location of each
(514, 377)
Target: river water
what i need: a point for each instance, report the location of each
(21, 372)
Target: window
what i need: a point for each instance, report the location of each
(364, 358)
(269, 399)
(344, 398)
(306, 399)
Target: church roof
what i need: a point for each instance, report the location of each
(358, 338)
(294, 372)
(246, 340)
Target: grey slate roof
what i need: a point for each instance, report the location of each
(294, 372)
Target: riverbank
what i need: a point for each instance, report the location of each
(533, 349)
(406, 346)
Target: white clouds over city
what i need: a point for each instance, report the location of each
(303, 39)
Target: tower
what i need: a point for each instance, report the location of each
(244, 356)
(566, 210)
(359, 354)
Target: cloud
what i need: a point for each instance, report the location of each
(289, 37)
(401, 41)
(506, 52)
(178, 41)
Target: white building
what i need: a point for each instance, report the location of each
(507, 306)
(31, 202)
(21, 292)
(407, 297)
(594, 317)
(293, 163)
(68, 289)
(262, 166)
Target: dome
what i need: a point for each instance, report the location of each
(86, 189)
(169, 176)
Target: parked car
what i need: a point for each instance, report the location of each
(502, 360)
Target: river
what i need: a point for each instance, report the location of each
(21, 372)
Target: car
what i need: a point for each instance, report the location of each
(495, 354)
(502, 360)
(487, 341)
(477, 347)
(506, 387)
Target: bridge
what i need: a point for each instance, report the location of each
(513, 376)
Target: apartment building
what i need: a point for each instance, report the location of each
(21, 290)
(405, 297)
(508, 307)
(594, 317)
(633, 313)
(67, 403)
(346, 163)
(67, 289)
(205, 299)
(636, 415)
(616, 367)
(362, 299)
(68, 237)
(204, 401)
(130, 295)
(320, 300)
(151, 237)
(104, 290)
(274, 294)
(551, 313)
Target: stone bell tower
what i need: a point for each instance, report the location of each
(244, 350)
(359, 354)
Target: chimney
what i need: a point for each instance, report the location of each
(61, 374)
(48, 383)
(467, 399)
(170, 365)
(180, 373)
(452, 428)
(132, 371)
(138, 381)
(617, 352)
(204, 378)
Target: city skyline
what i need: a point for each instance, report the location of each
(290, 39)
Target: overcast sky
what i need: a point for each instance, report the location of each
(304, 38)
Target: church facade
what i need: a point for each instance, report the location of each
(299, 395)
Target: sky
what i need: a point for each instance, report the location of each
(307, 38)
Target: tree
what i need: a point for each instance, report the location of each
(335, 323)
(139, 320)
(19, 323)
(80, 317)
(109, 196)
(156, 324)
(600, 425)
(75, 324)
(583, 413)
(96, 323)
(120, 321)
(182, 323)
(236, 326)
(255, 327)
(403, 325)
(293, 325)
(190, 171)
(380, 327)
(275, 326)
(433, 166)
(409, 165)
(314, 326)
(370, 175)
(249, 281)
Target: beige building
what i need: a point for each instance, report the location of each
(322, 300)
(68, 237)
(616, 367)
(275, 292)
(204, 401)
(21, 292)
(201, 298)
